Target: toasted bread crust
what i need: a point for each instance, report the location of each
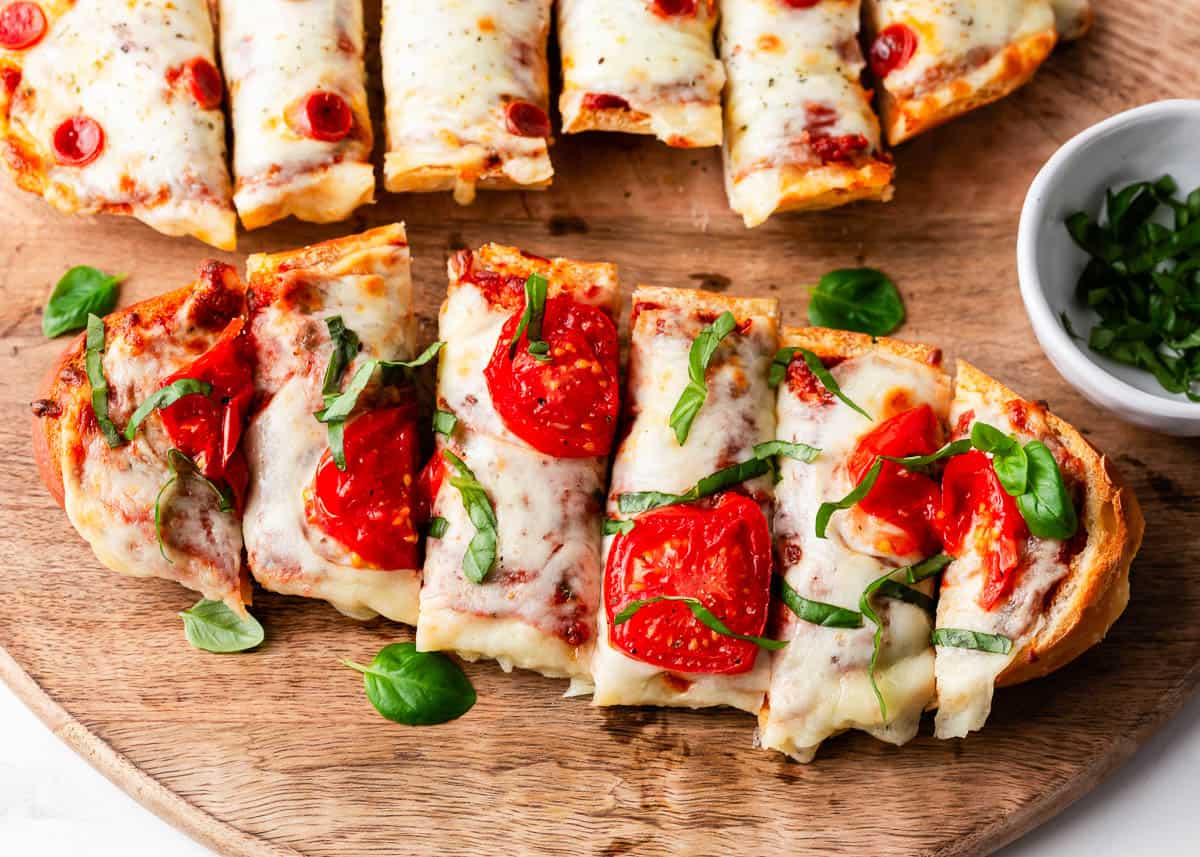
(828, 342)
(699, 302)
(590, 282)
(680, 130)
(327, 257)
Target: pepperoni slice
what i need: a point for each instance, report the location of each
(205, 82)
(327, 117)
(718, 553)
(78, 141)
(892, 49)
(604, 101)
(973, 500)
(566, 406)
(800, 4)
(370, 506)
(10, 78)
(673, 8)
(22, 26)
(526, 120)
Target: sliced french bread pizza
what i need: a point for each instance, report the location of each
(332, 442)
(641, 67)
(688, 550)
(136, 434)
(935, 59)
(1043, 532)
(857, 657)
(799, 129)
(528, 400)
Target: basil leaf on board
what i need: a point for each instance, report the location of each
(816, 612)
(644, 501)
(696, 392)
(1046, 507)
(164, 397)
(530, 325)
(94, 363)
(81, 292)
(212, 626)
(614, 527)
(859, 299)
(957, 638)
(703, 615)
(801, 452)
(180, 465)
(444, 422)
(1008, 457)
(438, 527)
(415, 688)
(481, 551)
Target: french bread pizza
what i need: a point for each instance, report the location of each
(136, 434)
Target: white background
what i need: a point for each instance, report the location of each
(52, 804)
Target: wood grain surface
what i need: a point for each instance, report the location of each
(278, 752)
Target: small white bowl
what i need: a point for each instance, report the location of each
(1138, 145)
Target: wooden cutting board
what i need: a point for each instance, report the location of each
(278, 752)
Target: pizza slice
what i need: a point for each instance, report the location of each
(136, 434)
(936, 60)
(302, 134)
(689, 538)
(331, 509)
(467, 89)
(81, 84)
(528, 400)
(799, 129)
(1038, 578)
(846, 666)
(641, 67)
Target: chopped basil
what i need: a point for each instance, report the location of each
(799, 451)
(1047, 508)
(212, 626)
(816, 612)
(94, 363)
(614, 527)
(422, 359)
(703, 614)
(438, 527)
(345, 348)
(958, 638)
(481, 551)
(415, 688)
(180, 465)
(859, 299)
(1008, 457)
(536, 288)
(783, 359)
(644, 501)
(694, 394)
(81, 292)
(444, 422)
(164, 397)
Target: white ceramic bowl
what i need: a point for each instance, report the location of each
(1138, 145)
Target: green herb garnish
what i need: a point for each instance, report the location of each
(212, 626)
(481, 551)
(444, 422)
(613, 527)
(702, 614)
(180, 465)
(696, 392)
(816, 612)
(438, 527)
(164, 398)
(859, 299)
(81, 292)
(958, 638)
(94, 363)
(536, 288)
(644, 501)
(415, 688)
(783, 359)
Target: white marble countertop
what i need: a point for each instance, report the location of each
(53, 804)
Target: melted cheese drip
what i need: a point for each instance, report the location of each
(275, 53)
(163, 156)
(449, 69)
(662, 66)
(820, 684)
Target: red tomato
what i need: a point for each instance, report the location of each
(78, 141)
(327, 117)
(909, 501)
(973, 496)
(22, 26)
(604, 101)
(720, 554)
(205, 83)
(673, 8)
(800, 4)
(369, 506)
(11, 79)
(892, 49)
(567, 406)
(428, 485)
(838, 150)
(526, 120)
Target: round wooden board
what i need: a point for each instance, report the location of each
(278, 752)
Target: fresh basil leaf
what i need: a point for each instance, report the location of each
(779, 366)
(164, 397)
(481, 551)
(345, 348)
(644, 501)
(1047, 508)
(438, 527)
(212, 626)
(859, 299)
(801, 452)
(536, 288)
(816, 612)
(344, 403)
(696, 392)
(422, 359)
(180, 465)
(415, 688)
(94, 363)
(614, 527)
(827, 380)
(1008, 457)
(703, 615)
(957, 638)
(81, 292)
(444, 422)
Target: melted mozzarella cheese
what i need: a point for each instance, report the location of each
(662, 66)
(820, 684)
(966, 678)
(276, 53)
(372, 292)
(449, 70)
(1072, 17)
(122, 64)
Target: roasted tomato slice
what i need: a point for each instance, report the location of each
(370, 506)
(208, 429)
(566, 406)
(908, 501)
(974, 501)
(719, 553)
